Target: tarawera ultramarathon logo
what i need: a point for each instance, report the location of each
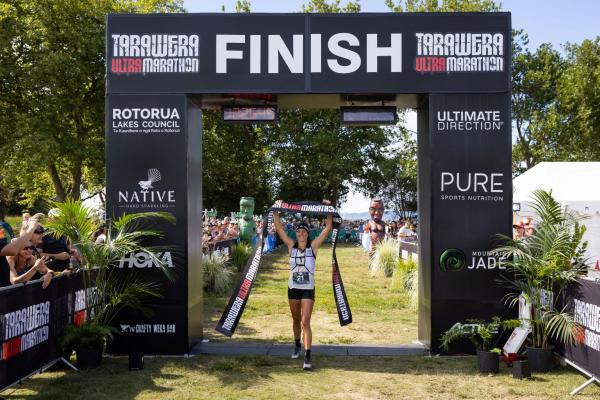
(459, 52)
(155, 53)
(148, 196)
(24, 329)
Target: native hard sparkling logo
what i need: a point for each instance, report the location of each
(147, 197)
(452, 260)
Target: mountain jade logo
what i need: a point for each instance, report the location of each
(453, 260)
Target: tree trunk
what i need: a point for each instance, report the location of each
(59, 189)
(76, 176)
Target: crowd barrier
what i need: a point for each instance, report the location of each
(31, 320)
(585, 306)
(222, 247)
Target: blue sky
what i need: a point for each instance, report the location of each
(556, 21)
(553, 21)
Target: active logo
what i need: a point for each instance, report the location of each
(147, 196)
(459, 52)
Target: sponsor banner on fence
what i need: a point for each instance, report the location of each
(32, 318)
(585, 305)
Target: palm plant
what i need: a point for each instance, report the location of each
(124, 236)
(542, 265)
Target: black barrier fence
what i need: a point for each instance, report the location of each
(222, 246)
(33, 318)
(584, 301)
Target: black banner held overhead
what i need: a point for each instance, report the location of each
(235, 307)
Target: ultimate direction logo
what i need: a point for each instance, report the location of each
(469, 121)
(471, 186)
(452, 260)
(147, 197)
(144, 54)
(459, 52)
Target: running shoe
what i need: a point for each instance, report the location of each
(307, 365)
(297, 351)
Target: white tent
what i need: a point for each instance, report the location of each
(575, 185)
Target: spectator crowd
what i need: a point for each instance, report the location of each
(32, 255)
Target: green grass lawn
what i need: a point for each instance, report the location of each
(209, 377)
(380, 316)
(14, 221)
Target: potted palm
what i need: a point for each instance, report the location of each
(484, 336)
(115, 290)
(539, 267)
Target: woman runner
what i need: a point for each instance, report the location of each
(301, 282)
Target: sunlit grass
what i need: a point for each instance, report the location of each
(380, 315)
(267, 377)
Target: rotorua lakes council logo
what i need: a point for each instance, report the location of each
(147, 197)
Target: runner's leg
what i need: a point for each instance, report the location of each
(307, 308)
(296, 317)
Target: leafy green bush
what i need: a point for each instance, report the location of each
(384, 259)
(217, 276)
(89, 336)
(239, 255)
(404, 275)
(413, 290)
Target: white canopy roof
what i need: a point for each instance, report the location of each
(570, 181)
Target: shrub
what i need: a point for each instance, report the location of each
(217, 276)
(413, 290)
(239, 255)
(404, 273)
(384, 259)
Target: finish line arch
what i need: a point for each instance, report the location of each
(453, 68)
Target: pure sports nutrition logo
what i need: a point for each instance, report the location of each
(459, 52)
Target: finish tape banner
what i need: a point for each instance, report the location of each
(233, 312)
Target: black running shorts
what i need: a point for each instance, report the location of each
(299, 294)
